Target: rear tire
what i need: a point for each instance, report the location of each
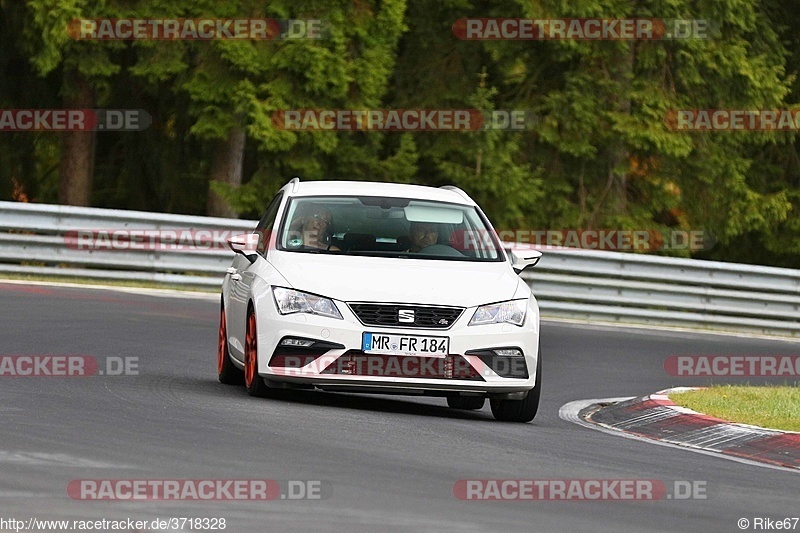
(226, 370)
(252, 381)
(521, 410)
(466, 402)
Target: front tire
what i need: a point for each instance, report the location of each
(252, 381)
(226, 370)
(521, 410)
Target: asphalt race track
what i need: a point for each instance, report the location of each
(389, 463)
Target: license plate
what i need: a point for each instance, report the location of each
(387, 343)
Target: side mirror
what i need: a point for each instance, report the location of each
(245, 244)
(522, 259)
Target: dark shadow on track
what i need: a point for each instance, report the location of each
(355, 401)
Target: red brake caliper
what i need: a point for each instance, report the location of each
(250, 355)
(221, 344)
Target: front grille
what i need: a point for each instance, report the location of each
(432, 317)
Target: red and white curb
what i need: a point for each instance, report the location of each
(655, 418)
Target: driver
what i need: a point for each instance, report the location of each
(314, 228)
(423, 234)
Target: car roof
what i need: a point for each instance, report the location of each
(374, 188)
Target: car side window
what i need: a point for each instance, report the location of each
(267, 223)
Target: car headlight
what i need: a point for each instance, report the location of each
(291, 301)
(511, 312)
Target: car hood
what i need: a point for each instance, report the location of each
(372, 279)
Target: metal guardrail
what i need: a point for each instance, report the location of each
(35, 239)
(569, 283)
(619, 287)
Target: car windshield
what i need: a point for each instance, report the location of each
(387, 227)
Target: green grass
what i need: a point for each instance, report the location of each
(775, 407)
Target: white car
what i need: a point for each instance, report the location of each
(384, 288)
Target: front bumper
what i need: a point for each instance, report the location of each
(337, 362)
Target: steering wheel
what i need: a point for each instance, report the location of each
(441, 249)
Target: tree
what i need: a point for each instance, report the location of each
(598, 153)
(28, 160)
(86, 67)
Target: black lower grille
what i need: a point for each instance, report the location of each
(406, 316)
(503, 365)
(357, 363)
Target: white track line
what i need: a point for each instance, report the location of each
(145, 291)
(653, 329)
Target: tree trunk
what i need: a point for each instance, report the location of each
(76, 166)
(620, 155)
(226, 167)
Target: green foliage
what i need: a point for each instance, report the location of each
(598, 153)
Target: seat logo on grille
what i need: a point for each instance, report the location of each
(405, 315)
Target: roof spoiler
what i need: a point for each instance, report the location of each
(456, 190)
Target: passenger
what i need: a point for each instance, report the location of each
(423, 234)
